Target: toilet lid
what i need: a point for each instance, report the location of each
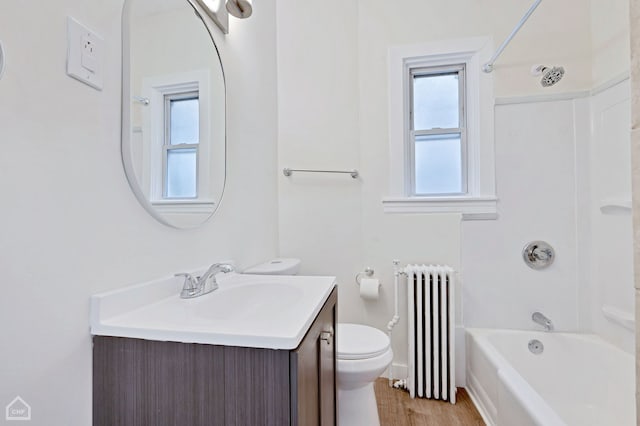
(357, 341)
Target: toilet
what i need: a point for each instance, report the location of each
(363, 354)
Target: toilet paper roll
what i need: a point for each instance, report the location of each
(369, 288)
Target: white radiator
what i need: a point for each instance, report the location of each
(431, 332)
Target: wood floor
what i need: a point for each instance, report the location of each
(396, 408)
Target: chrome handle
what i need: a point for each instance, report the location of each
(541, 254)
(188, 278)
(326, 336)
(190, 286)
(538, 254)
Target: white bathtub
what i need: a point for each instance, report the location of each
(579, 379)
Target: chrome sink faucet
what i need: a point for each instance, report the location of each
(539, 318)
(199, 286)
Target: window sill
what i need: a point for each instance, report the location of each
(471, 208)
(184, 206)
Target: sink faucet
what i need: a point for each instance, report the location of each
(199, 286)
(539, 318)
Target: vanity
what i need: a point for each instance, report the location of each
(258, 351)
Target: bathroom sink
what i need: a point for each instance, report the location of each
(247, 310)
(251, 301)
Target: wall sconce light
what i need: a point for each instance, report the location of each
(216, 10)
(240, 8)
(219, 11)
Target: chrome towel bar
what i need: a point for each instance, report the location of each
(287, 171)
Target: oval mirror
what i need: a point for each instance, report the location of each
(173, 111)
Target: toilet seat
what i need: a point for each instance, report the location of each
(356, 341)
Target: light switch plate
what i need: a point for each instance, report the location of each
(84, 54)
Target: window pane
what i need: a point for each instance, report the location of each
(181, 173)
(185, 121)
(438, 164)
(435, 101)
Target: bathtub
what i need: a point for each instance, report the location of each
(578, 379)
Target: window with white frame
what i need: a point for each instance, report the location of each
(441, 130)
(176, 154)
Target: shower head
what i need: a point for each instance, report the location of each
(550, 76)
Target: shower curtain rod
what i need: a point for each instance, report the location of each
(488, 67)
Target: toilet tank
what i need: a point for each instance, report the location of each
(279, 266)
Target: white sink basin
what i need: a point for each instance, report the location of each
(251, 301)
(247, 310)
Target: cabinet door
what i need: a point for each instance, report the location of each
(144, 382)
(313, 380)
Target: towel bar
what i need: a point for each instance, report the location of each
(287, 171)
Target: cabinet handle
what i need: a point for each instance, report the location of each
(327, 336)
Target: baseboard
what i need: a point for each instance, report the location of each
(399, 371)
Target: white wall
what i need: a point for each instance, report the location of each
(70, 225)
(609, 39)
(320, 216)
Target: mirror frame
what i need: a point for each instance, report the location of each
(125, 118)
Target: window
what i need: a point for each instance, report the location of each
(441, 130)
(181, 146)
(437, 131)
(176, 152)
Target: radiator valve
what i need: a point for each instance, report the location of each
(400, 384)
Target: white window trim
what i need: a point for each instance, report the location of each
(480, 201)
(155, 88)
(175, 206)
(470, 208)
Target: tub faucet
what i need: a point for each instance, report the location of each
(199, 286)
(539, 318)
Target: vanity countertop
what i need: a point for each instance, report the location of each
(259, 311)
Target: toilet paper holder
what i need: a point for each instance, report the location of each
(368, 271)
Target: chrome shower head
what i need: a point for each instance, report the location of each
(550, 76)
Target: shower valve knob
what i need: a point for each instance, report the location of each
(538, 254)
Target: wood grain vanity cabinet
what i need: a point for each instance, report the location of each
(154, 383)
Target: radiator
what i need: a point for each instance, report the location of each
(431, 332)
